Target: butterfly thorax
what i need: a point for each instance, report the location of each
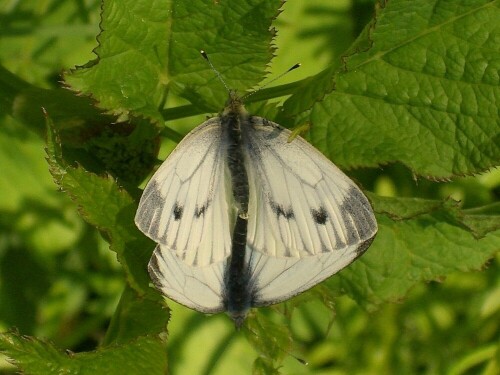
(233, 119)
(234, 105)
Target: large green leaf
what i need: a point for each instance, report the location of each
(425, 93)
(146, 48)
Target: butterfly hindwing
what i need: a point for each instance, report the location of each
(301, 204)
(199, 288)
(274, 280)
(186, 205)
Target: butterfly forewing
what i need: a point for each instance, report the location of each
(301, 204)
(187, 204)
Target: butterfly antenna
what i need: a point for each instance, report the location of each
(205, 56)
(271, 81)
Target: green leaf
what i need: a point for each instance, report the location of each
(136, 316)
(127, 151)
(270, 339)
(36, 357)
(424, 94)
(111, 209)
(427, 242)
(149, 48)
(107, 207)
(483, 220)
(25, 102)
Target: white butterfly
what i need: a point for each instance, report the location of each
(245, 218)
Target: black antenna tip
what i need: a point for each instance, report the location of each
(205, 56)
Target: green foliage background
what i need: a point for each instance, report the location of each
(403, 95)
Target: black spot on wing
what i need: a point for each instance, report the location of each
(320, 216)
(178, 211)
(201, 210)
(279, 210)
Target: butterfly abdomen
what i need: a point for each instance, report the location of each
(237, 296)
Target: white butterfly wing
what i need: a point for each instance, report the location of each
(274, 280)
(198, 288)
(301, 204)
(186, 205)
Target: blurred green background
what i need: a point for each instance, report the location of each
(58, 279)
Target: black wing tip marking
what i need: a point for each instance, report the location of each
(356, 205)
(151, 204)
